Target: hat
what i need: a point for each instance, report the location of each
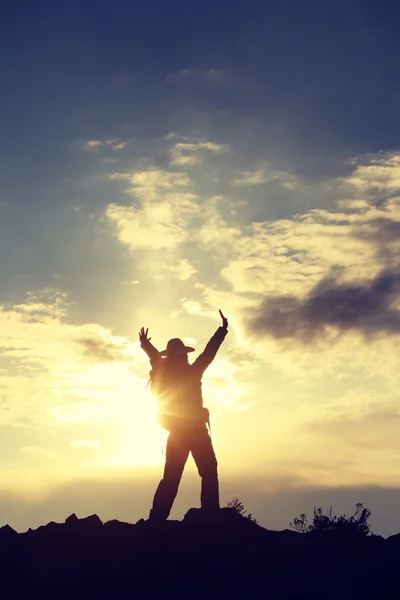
(176, 347)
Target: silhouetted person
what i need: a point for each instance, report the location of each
(177, 385)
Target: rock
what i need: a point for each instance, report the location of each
(91, 521)
(218, 554)
(71, 519)
(7, 534)
(224, 522)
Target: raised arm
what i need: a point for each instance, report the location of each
(207, 356)
(148, 347)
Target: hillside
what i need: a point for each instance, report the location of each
(227, 556)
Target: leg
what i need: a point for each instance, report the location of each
(206, 462)
(177, 453)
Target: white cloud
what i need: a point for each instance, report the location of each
(186, 153)
(252, 177)
(169, 214)
(156, 225)
(184, 269)
(92, 145)
(266, 174)
(165, 212)
(378, 173)
(113, 144)
(117, 145)
(214, 232)
(149, 185)
(193, 307)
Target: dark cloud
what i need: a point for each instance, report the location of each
(385, 234)
(101, 350)
(366, 307)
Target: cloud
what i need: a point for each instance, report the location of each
(377, 173)
(147, 185)
(45, 372)
(368, 307)
(291, 256)
(157, 225)
(214, 233)
(101, 349)
(184, 269)
(41, 306)
(264, 175)
(117, 145)
(169, 213)
(318, 286)
(165, 211)
(185, 153)
(113, 144)
(300, 277)
(92, 145)
(252, 177)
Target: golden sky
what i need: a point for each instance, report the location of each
(305, 387)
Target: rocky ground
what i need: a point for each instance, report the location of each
(224, 555)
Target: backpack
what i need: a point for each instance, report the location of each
(173, 391)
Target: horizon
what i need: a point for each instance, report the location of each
(160, 163)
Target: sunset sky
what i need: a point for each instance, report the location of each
(163, 160)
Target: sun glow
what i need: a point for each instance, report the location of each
(141, 437)
(111, 395)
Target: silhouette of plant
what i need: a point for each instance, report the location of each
(238, 507)
(357, 524)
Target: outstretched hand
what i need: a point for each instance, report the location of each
(143, 335)
(224, 320)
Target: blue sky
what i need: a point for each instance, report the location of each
(303, 85)
(159, 162)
